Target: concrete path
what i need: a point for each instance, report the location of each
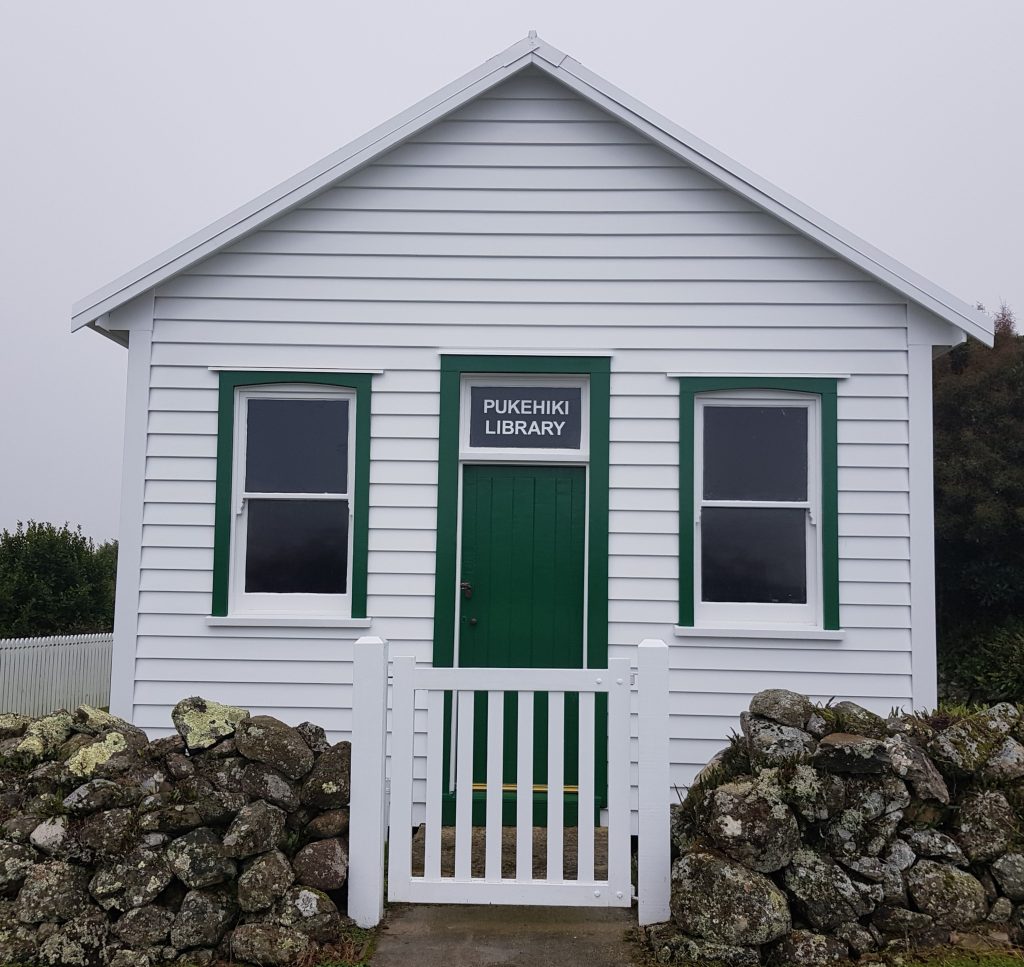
(452, 935)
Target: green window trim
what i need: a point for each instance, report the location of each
(826, 390)
(230, 382)
(598, 369)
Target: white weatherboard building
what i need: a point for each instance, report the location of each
(520, 378)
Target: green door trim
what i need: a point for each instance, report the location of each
(598, 369)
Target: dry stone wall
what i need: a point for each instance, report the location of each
(225, 841)
(826, 833)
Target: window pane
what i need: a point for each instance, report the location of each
(297, 446)
(297, 547)
(755, 453)
(754, 554)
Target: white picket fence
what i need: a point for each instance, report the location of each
(38, 675)
(371, 817)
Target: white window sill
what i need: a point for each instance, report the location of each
(793, 634)
(285, 621)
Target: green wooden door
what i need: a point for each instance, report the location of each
(522, 605)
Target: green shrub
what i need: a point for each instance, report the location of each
(979, 665)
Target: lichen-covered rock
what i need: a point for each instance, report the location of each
(750, 827)
(874, 796)
(261, 781)
(86, 760)
(900, 922)
(15, 863)
(813, 795)
(94, 721)
(670, 946)
(719, 900)
(96, 795)
(1006, 764)
(327, 785)
(157, 815)
(1009, 873)
(222, 773)
(857, 720)
(965, 747)
(145, 926)
(18, 942)
(53, 891)
(782, 706)
(43, 736)
(322, 864)
(110, 833)
(1000, 911)
(900, 855)
(911, 763)
(931, 844)
(268, 944)
(859, 939)
(81, 942)
(179, 766)
(845, 753)
(824, 894)
(204, 918)
(201, 722)
(314, 736)
(13, 725)
(198, 859)
(984, 823)
(802, 948)
(133, 881)
(951, 896)
(771, 744)
(264, 881)
(256, 829)
(328, 824)
(18, 829)
(263, 738)
(310, 911)
(48, 837)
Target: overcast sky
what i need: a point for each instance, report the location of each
(126, 126)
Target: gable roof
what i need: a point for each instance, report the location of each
(532, 51)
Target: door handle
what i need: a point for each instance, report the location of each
(467, 590)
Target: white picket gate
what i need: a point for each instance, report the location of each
(457, 883)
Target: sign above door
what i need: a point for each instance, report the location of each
(531, 417)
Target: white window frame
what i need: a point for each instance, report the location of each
(284, 604)
(739, 614)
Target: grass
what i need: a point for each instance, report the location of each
(953, 957)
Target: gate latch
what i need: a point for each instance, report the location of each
(467, 590)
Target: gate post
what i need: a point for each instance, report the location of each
(367, 821)
(653, 840)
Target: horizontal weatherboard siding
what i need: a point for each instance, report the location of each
(525, 221)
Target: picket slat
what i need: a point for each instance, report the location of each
(556, 783)
(435, 757)
(495, 794)
(585, 808)
(464, 788)
(524, 789)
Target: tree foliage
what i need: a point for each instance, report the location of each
(979, 507)
(55, 580)
(979, 478)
